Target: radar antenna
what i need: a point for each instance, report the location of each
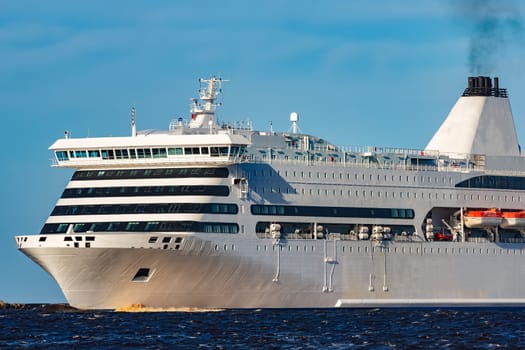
(294, 118)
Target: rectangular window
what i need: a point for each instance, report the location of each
(94, 154)
(61, 155)
(132, 226)
(152, 226)
(121, 153)
(159, 152)
(108, 154)
(224, 151)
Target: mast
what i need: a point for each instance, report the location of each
(203, 108)
(133, 126)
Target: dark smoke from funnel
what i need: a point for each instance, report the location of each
(496, 26)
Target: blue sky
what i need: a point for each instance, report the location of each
(378, 72)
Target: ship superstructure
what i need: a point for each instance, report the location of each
(221, 215)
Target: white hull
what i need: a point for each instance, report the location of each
(304, 273)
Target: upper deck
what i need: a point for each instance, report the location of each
(201, 141)
(150, 148)
(233, 146)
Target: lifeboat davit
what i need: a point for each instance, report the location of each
(481, 218)
(513, 219)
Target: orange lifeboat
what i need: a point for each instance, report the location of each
(513, 219)
(480, 218)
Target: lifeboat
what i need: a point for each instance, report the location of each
(513, 219)
(480, 218)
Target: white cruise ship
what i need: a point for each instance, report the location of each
(223, 216)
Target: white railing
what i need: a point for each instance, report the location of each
(237, 127)
(358, 163)
(364, 164)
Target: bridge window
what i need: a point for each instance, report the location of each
(175, 151)
(121, 153)
(61, 155)
(108, 154)
(159, 152)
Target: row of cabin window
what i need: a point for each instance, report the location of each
(356, 177)
(401, 250)
(494, 182)
(322, 211)
(133, 191)
(386, 194)
(163, 152)
(111, 174)
(438, 250)
(150, 208)
(143, 226)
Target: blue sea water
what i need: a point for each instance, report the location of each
(44, 326)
